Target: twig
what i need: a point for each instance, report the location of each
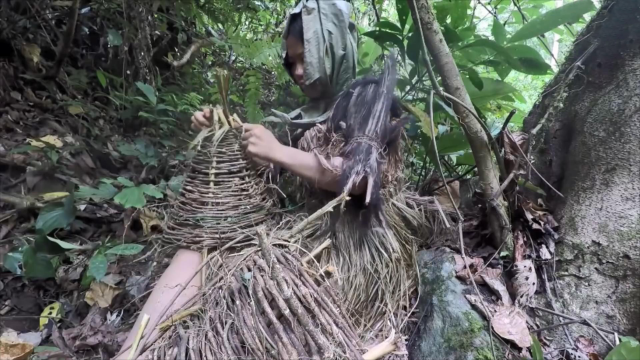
(437, 157)
(557, 325)
(599, 332)
(65, 44)
(457, 177)
(475, 287)
(375, 10)
(136, 341)
(316, 251)
(504, 185)
(192, 49)
(506, 122)
(328, 207)
(570, 318)
(531, 165)
(381, 349)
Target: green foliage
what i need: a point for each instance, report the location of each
(145, 152)
(536, 348)
(37, 265)
(131, 197)
(11, 261)
(125, 249)
(98, 266)
(550, 20)
(148, 91)
(57, 215)
(103, 192)
(114, 38)
(253, 91)
(628, 349)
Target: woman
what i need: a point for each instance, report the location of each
(323, 24)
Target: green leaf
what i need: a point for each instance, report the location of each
(175, 183)
(466, 159)
(131, 197)
(98, 266)
(628, 349)
(368, 52)
(529, 64)
(424, 119)
(414, 47)
(23, 149)
(402, 7)
(536, 348)
(384, 37)
(459, 12)
(152, 190)
(493, 89)
(40, 349)
(550, 20)
(57, 215)
(103, 192)
(499, 32)
(388, 25)
(101, 78)
(12, 261)
(451, 36)
(63, 244)
(475, 78)
(452, 142)
(37, 266)
(125, 249)
(148, 91)
(114, 38)
(126, 182)
(530, 59)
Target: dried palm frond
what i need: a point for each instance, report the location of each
(222, 198)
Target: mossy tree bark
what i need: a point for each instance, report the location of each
(585, 138)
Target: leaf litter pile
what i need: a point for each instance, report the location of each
(83, 190)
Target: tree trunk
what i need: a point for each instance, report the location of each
(585, 136)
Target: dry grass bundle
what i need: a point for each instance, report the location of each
(262, 303)
(222, 198)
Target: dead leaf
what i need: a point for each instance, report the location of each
(94, 331)
(149, 219)
(31, 53)
(14, 348)
(16, 95)
(443, 198)
(499, 288)
(525, 282)
(511, 323)
(477, 303)
(520, 248)
(43, 141)
(587, 346)
(137, 285)
(544, 253)
(112, 279)
(101, 294)
(474, 263)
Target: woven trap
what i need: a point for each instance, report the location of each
(222, 198)
(262, 303)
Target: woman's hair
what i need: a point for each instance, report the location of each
(295, 27)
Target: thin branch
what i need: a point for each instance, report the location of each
(375, 10)
(531, 165)
(438, 164)
(192, 49)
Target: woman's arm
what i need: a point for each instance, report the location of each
(260, 144)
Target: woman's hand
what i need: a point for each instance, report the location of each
(259, 144)
(202, 119)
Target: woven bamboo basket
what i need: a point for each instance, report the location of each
(222, 199)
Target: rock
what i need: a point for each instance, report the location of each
(449, 329)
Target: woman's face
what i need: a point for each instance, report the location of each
(295, 52)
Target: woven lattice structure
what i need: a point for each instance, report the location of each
(222, 197)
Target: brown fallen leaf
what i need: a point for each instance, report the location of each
(520, 249)
(499, 288)
(475, 264)
(93, 331)
(489, 307)
(101, 294)
(14, 348)
(511, 324)
(149, 220)
(525, 282)
(587, 346)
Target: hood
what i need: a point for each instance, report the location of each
(330, 53)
